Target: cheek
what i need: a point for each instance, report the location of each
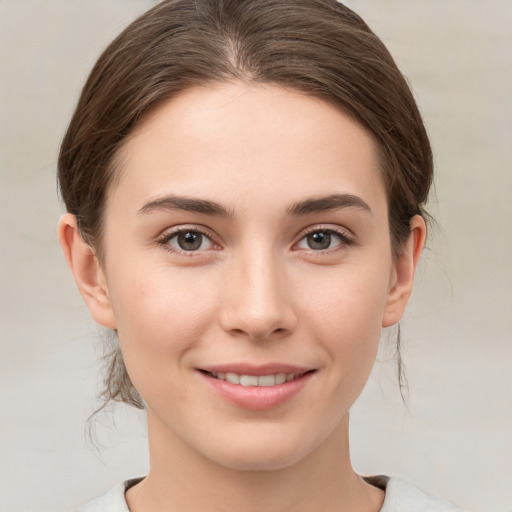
(160, 318)
(345, 314)
(161, 314)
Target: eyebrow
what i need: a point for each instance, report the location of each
(328, 203)
(206, 207)
(187, 204)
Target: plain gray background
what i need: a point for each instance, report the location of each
(455, 437)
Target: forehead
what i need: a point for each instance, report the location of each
(231, 141)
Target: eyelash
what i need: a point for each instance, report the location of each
(168, 236)
(344, 239)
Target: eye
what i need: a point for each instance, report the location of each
(187, 240)
(323, 239)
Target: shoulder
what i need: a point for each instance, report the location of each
(402, 496)
(112, 501)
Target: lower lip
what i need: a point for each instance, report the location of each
(257, 398)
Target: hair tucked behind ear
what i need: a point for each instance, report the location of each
(318, 47)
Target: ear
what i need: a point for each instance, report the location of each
(404, 271)
(86, 270)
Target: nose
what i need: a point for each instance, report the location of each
(257, 301)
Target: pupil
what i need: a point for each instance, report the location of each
(319, 240)
(189, 241)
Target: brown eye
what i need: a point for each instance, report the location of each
(188, 241)
(324, 239)
(319, 240)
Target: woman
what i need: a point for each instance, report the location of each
(245, 183)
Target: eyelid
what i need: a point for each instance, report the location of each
(169, 233)
(346, 236)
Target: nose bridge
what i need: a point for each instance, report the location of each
(257, 300)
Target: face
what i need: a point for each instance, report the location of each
(248, 271)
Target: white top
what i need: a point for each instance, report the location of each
(401, 496)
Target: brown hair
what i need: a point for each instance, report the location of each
(319, 47)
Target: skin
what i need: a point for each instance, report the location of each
(254, 292)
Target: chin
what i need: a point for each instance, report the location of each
(257, 460)
(261, 452)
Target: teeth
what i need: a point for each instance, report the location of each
(248, 380)
(280, 378)
(254, 380)
(232, 377)
(267, 380)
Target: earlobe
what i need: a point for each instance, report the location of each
(87, 271)
(405, 269)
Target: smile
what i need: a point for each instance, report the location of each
(256, 380)
(256, 388)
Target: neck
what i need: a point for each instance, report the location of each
(182, 479)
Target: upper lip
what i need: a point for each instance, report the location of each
(258, 370)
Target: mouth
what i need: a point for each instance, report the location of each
(257, 387)
(248, 380)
